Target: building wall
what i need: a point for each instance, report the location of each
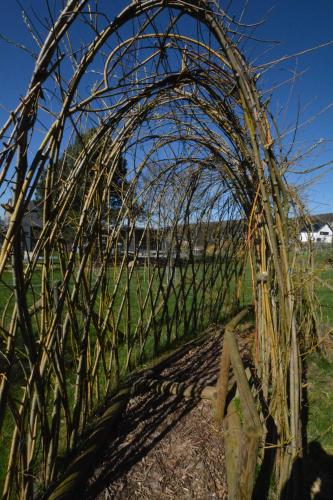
(323, 235)
(30, 226)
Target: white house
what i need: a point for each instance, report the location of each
(318, 232)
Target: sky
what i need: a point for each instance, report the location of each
(296, 24)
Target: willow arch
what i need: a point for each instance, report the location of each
(160, 91)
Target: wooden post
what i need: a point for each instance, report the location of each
(232, 430)
(241, 442)
(223, 379)
(252, 428)
(249, 454)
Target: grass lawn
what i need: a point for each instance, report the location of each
(320, 401)
(324, 270)
(319, 369)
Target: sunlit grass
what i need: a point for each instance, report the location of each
(320, 401)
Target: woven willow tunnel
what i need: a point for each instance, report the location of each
(148, 153)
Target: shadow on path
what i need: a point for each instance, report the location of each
(149, 417)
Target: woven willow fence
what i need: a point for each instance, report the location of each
(144, 142)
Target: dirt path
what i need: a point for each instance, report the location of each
(167, 447)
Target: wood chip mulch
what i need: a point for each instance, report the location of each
(166, 447)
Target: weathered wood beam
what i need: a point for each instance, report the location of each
(192, 391)
(223, 379)
(241, 441)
